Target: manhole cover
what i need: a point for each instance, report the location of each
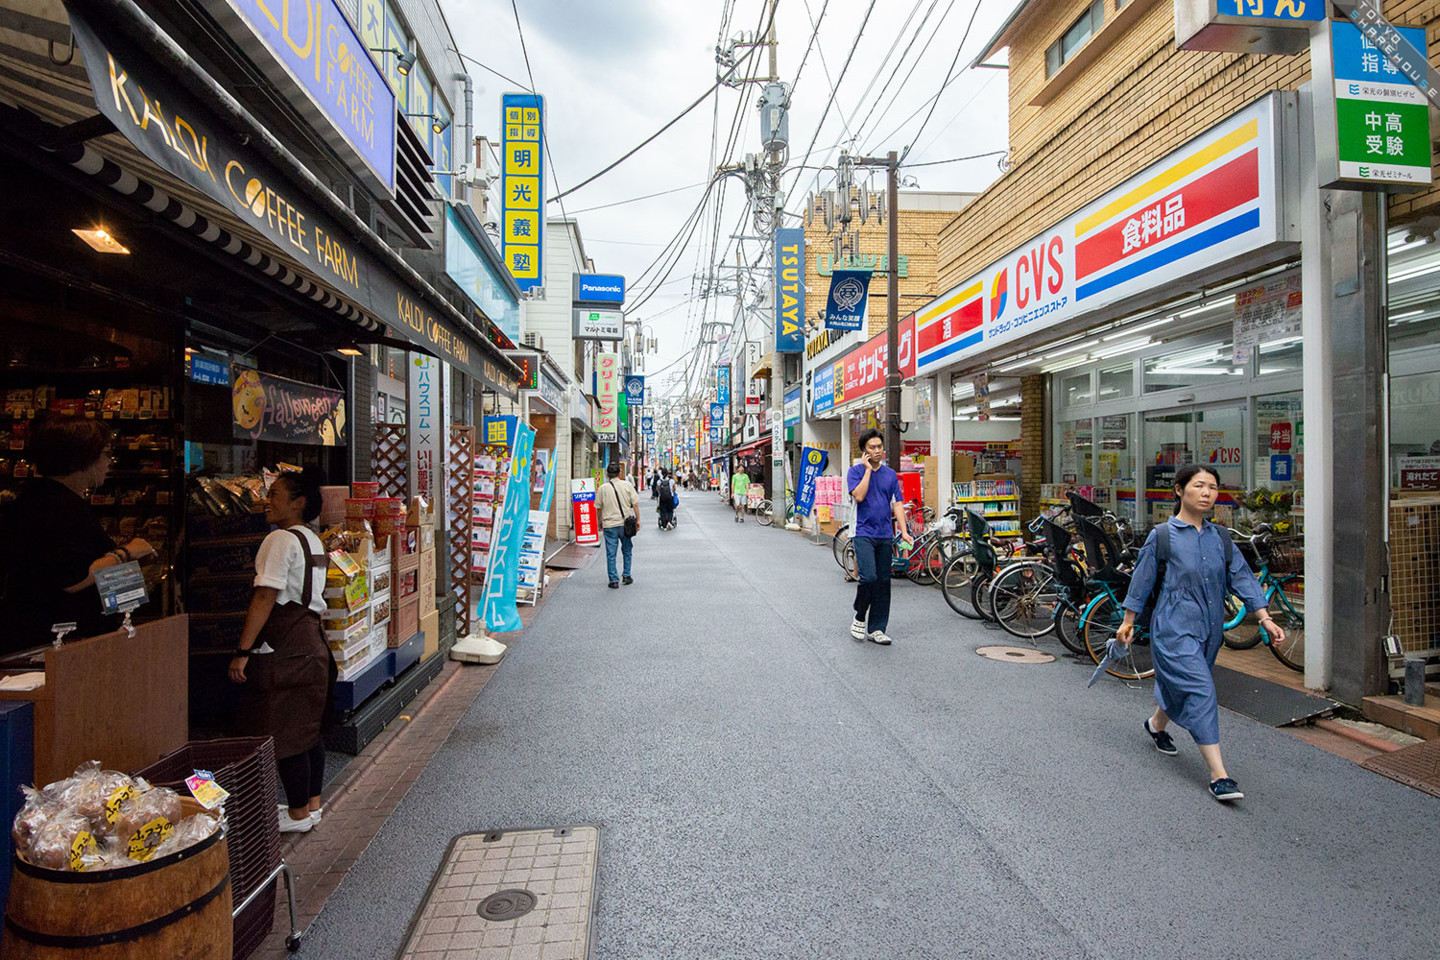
(1015, 655)
(506, 905)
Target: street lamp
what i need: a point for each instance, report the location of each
(405, 62)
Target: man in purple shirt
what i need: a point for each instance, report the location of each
(879, 511)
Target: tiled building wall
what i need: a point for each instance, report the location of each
(1138, 100)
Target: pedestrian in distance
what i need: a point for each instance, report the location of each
(1183, 577)
(619, 503)
(668, 498)
(879, 507)
(739, 492)
(655, 485)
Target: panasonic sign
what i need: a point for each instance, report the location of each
(599, 289)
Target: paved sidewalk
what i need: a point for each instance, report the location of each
(767, 787)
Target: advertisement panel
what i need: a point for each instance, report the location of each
(862, 371)
(598, 324)
(812, 464)
(607, 396)
(427, 435)
(722, 385)
(266, 407)
(472, 273)
(845, 307)
(1212, 200)
(582, 503)
(790, 290)
(522, 188)
(635, 390)
(598, 289)
(503, 574)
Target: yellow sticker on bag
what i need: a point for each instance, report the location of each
(112, 804)
(144, 841)
(82, 845)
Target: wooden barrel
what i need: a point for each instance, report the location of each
(176, 907)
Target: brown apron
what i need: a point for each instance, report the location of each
(287, 694)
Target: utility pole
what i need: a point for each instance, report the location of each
(892, 313)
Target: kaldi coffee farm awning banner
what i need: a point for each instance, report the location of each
(1210, 201)
(286, 411)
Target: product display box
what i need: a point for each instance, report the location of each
(404, 620)
(430, 627)
(427, 569)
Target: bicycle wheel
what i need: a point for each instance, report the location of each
(1023, 599)
(938, 554)
(839, 542)
(848, 563)
(765, 513)
(917, 569)
(1102, 617)
(955, 585)
(980, 595)
(1291, 650)
(1241, 630)
(1067, 625)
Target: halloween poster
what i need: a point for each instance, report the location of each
(286, 411)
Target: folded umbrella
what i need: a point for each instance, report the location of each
(1115, 651)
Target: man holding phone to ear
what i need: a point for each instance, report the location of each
(878, 510)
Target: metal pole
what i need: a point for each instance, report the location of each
(892, 313)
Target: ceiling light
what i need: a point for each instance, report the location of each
(1206, 308)
(1065, 364)
(1418, 272)
(1407, 313)
(99, 239)
(1027, 362)
(350, 351)
(1125, 347)
(1127, 331)
(1079, 346)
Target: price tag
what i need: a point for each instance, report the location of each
(121, 587)
(205, 790)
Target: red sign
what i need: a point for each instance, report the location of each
(587, 523)
(916, 447)
(1281, 436)
(1420, 479)
(865, 367)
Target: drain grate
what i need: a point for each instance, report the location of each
(1015, 654)
(506, 905)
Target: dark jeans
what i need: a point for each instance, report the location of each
(872, 593)
(303, 776)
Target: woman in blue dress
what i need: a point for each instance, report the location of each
(1187, 624)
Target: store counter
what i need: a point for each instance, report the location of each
(115, 698)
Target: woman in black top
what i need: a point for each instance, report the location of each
(51, 544)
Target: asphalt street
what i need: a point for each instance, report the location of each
(765, 786)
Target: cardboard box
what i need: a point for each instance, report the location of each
(428, 601)
(430, 626)
(404, 620)
(427, 538)
(427, 569)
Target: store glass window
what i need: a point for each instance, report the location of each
(420, 92)
(442, 147)
(1196, 365)
(1281, 356)
(1076, 389)
(396, 38)
(1077, 450)
(1276, 495)
(1117, 382)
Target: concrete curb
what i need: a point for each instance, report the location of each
(1374, 743)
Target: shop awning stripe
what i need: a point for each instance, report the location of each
(939, 309)
(1244, 223)
(1165, 178)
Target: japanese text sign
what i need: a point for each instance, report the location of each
(607, 394)
(722, 385)
(522, 188)
(789, 290)
(849, 291)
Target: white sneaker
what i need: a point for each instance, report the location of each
(878, 636)
(857, 629)
(317, 815)
(287, 825)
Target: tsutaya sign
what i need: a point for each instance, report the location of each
(181, 134)
(1211, 200)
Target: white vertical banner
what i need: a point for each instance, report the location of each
(427, 415)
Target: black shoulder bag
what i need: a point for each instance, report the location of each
(632, 522)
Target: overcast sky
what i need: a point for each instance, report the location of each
(613, 73)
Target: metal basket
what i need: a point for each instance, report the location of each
(1285, 555)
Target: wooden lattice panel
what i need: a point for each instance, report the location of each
(460, 502)
(389, 460)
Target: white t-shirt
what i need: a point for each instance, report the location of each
(280, 564)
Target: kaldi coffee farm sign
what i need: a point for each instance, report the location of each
(1212, 200)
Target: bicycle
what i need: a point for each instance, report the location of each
(1028, 598)
(1103, 613)
(1277, 565)
(765, 511)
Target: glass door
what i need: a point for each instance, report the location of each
(1212, 435)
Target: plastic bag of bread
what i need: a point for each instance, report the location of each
(61, 843)
(34, 814)
(147, 820)
(94, 794)
(189, 832)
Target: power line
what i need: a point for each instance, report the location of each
(648, 196)
(953, 61)
(545, 128)
(497, 73)
(973, 156)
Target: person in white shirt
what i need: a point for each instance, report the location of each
(286, 673)
(618, 502)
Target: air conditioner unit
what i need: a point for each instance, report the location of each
(534, 341)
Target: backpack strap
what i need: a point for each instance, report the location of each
(1162, 560)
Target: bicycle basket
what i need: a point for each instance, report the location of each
(1286, 555)
(1248, 551)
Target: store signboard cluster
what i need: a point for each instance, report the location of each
(522, 188)
(607, 396)
(1211, 200)
(1265, 313)
(179, 132)
(322, 67)
(863, 370)
(1245, 26)
(1372, 125)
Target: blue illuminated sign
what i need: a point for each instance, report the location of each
(602, 289)
(465, 263)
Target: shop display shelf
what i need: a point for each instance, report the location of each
(358, 727)
(401, 658)
(997, 497)
(350, 693)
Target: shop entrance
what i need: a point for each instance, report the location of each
(1213, 434)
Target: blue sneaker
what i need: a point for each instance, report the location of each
(1163, 741)
(1225, 789)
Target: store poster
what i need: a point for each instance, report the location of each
(812, 464)
(582, 503)
(540, 470)
(267, 407)
(547, 492)
(502, 577)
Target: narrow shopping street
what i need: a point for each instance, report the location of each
(764, 786)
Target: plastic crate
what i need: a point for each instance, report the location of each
(244, 766)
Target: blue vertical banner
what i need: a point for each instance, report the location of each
(522, 188)
(789, 290)
(498, 603)
(635, 390)
(717, 414)
(547, 497)
(849, 290)
(812, 464)
(722, 385)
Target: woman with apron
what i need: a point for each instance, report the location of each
(282, 663)
(1188, 618)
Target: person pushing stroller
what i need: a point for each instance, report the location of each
(668, 498)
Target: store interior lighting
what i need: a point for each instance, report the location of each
(100, 240)
(350, 351)
(1119, 348)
